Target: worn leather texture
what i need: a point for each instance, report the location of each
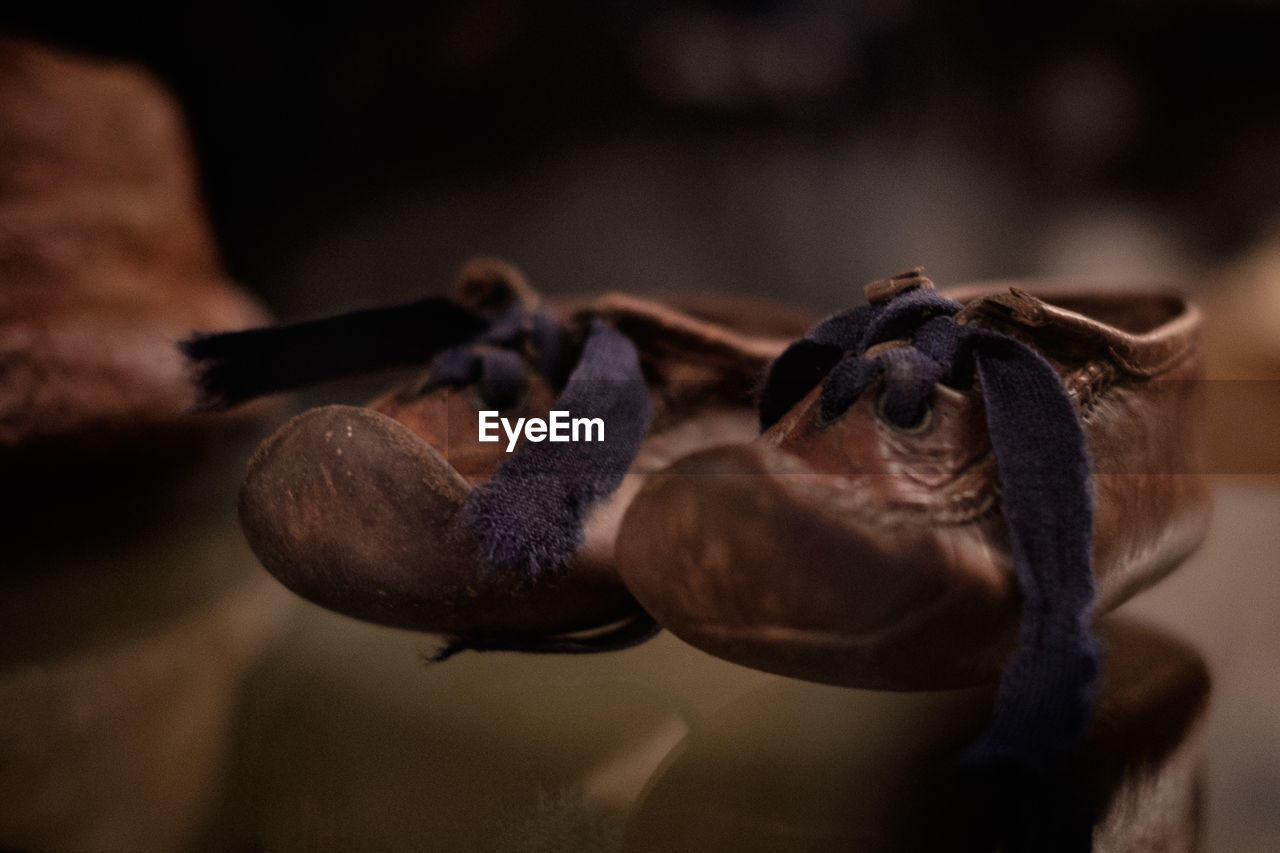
(860, 554)
(357, 508)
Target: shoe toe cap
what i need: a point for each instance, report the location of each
(354, 511)
(748, 554)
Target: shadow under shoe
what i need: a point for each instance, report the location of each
(861, 770)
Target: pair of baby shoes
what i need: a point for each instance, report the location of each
(928, 491)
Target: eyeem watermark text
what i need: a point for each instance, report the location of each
(557, 427)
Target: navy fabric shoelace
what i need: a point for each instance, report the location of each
(528, 516)
(1011, 775)
(234, 367)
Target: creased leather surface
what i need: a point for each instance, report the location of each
(855, 553)
(356, 508)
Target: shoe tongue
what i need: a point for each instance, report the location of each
(884, 290)
(678, 344)
(493, 287)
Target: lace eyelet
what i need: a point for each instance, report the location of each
(919, 428)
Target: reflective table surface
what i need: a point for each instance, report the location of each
(159, 691)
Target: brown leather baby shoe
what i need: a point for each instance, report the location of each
(944, 491)
(846, 547)
(397, 513)
(106, 257)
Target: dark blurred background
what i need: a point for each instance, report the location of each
(356, 152)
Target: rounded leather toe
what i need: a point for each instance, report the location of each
(752, 556)
(354, 511)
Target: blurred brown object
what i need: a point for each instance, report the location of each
(106, 255)
(1246, 308)
(1242, 400)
